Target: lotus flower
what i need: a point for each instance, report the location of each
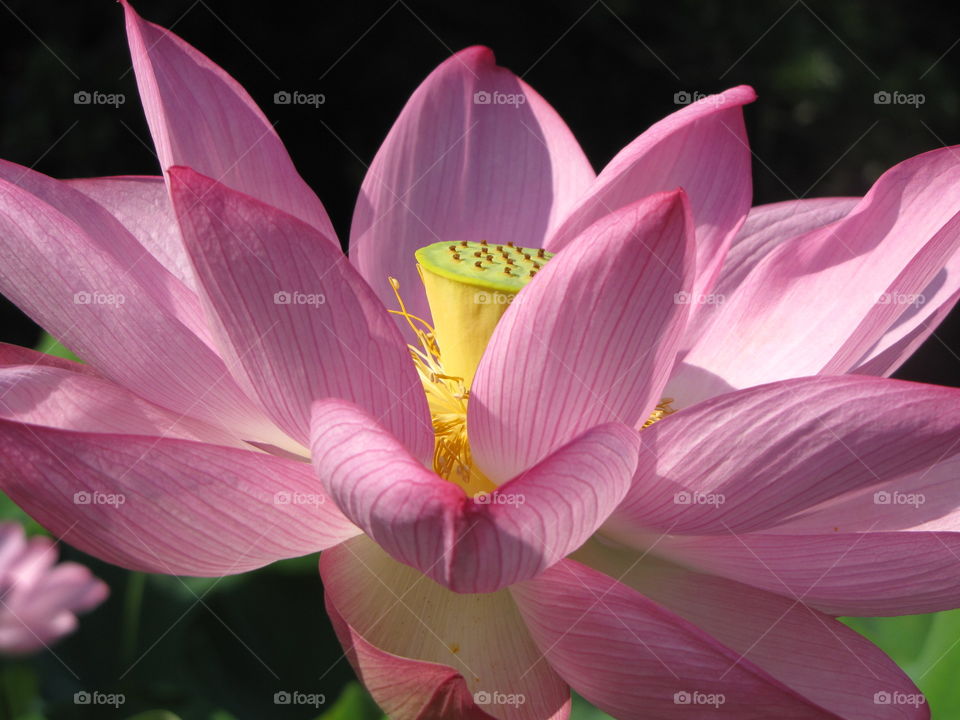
(39, 600)
(683, 458)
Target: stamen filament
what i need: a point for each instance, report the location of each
(447, 397)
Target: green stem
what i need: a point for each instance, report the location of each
(132, 603)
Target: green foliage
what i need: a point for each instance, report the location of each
(582, 710)
(50, 345)
(353, 704)
(9, 510)
(927, 647)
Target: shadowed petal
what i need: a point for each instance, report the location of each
(470, 544)
(820, 658)
(591, 339)
(701, 148)
(470, 655)
(633, 658)
(822, 301)
(766, 227)
(862, 573)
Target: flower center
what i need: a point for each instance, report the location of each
(469, 287)
(447, 398)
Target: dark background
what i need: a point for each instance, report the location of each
(610, 68)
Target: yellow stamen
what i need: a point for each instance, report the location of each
(447, 397)
(448, 393)
(661, 411)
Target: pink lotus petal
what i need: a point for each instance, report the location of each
(896, 346)
(702, 148)
(590, 340)
(167, 505)
(916, 324)
(460, 647)
(201, 117)
(405, 688)
(13, 541)
(906, 529)
(455, 168)
(788, 511)
(68, 585)
(922, 273)
(295, 320)
(16, 355)
(633, 658)
(867, 573)
(766, 227)
(809, 652)
(39, 601)
(142, 205)
(809, 440)
(471, 545)
(110, 237)
(86, 280)
(853, 279)
(36, 557)
(928, 499)
(58, 398)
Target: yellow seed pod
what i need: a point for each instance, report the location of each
(467, 300)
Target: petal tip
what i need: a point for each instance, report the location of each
(478, 55)
(741, 94)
